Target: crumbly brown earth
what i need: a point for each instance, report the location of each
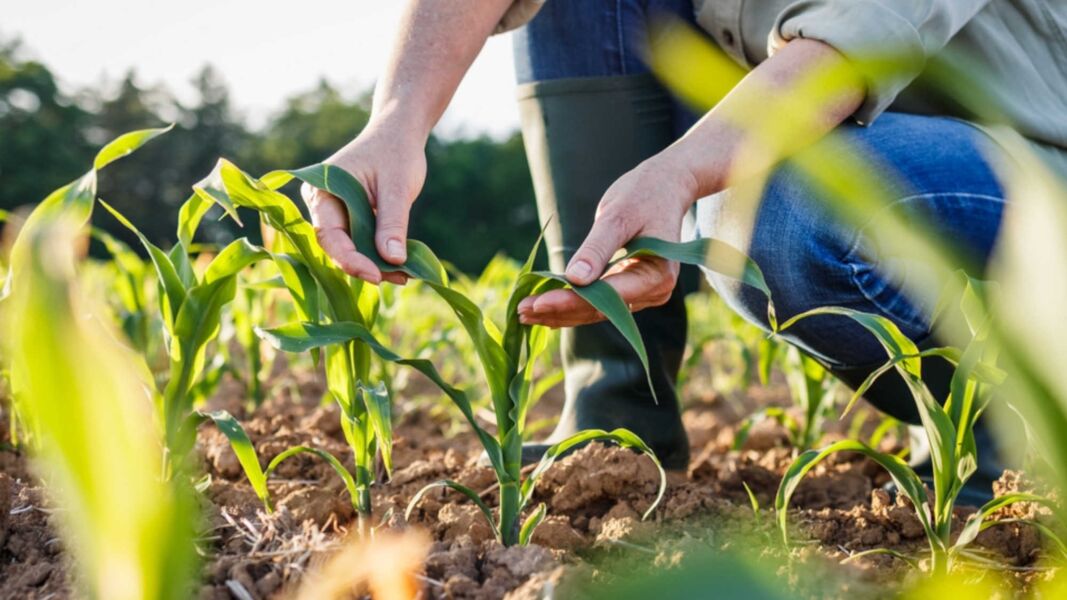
(595, 499)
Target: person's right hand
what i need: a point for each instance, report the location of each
(391, 166)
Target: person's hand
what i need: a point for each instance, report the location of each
(392, 168)
(651, 200)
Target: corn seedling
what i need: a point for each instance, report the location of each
(310, 275)
(191, 305)
(949, 428)
(813, 391)
(130, 532)
(508, 354)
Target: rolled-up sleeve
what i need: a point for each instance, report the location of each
(888, 40)
(518, 14)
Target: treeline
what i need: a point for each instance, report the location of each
(477, 200)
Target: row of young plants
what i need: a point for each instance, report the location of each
(334, 319)
(335, 315)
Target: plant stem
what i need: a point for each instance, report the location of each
(510, 500)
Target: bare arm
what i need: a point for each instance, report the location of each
(434, 46)
(729, 143)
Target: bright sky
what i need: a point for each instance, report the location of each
(265, 49)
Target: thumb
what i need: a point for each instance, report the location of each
(392, 234)
(588, 263)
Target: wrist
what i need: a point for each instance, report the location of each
(706, 155)
(400, 123)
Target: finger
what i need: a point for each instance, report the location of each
(558, 301)
(644, 282)
(395, 278)
(338, 245)
(608, 234)
(392, 230)
(556, 322)
(559, 305)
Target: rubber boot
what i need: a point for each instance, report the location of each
(580, 136)
(890, 394)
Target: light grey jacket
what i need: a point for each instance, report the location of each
(1018, 48)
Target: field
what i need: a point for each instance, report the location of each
(247, 421)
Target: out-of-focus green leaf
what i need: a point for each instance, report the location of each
(129, 532)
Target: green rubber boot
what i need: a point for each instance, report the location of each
(580, 136)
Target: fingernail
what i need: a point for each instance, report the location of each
(580, 270)
(395, 248)
(525, 320)
(526, 305)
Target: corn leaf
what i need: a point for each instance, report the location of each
(338, 467)
(244, 450)
(128, 532)
(531, 523)
(297, 337)
(126, 144)
(975, 522)
(458, 487)
(171, 284)
(903, 476)
(379, 412)
(622, 437)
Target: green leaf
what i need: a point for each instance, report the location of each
(233, 259)
(230, 188)
(342, 472)
(605, 299)
(189, 217)
(173, 288)
(421, 262)
(531, 523)
(622, 437)
(297, 337)
(458, 487)
(126, 144)
(975, 522)
(197, 323)
(244, 450)
(380, 412)
(896, 344)
(903, 476)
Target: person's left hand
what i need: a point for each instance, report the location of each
(651, 200)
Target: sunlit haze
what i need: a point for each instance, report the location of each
(265, 50)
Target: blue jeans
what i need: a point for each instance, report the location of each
(808, 258)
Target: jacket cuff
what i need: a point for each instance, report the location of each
(518, 14)
(886, 48)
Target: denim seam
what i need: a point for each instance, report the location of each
(849, 257)
(621, 35)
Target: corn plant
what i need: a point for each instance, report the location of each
(812, 389)
(507, 353)
(131, 534)
(191, 304)
(949, 428)
(323, 295)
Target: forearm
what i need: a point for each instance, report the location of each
(434, 46)
(788, 102)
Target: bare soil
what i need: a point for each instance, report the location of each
(595, 499)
